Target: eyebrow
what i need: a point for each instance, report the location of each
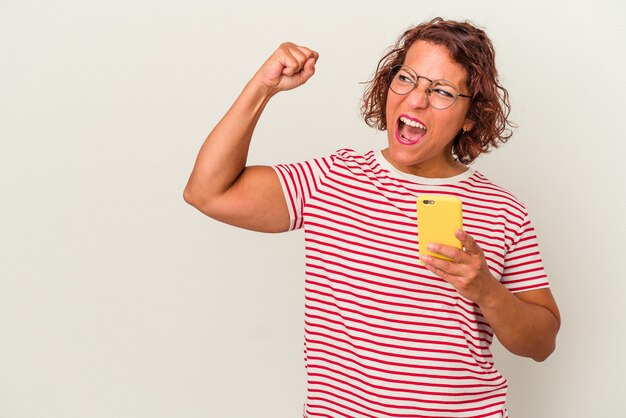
(459, 86)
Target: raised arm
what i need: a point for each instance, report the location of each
(221, 185)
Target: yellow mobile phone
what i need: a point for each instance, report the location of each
(438, 217)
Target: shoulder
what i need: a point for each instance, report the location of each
(349, 154)
(482, 191)
(341, 161)
(350, 157)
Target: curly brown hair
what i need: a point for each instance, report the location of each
(469, 46)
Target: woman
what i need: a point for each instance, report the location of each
(385, 335)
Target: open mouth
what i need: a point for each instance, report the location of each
(409, 131)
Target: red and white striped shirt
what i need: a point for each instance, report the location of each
(385, 337)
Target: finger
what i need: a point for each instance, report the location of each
(470, 246)
(439, 272)
(306, 52)
(308, 70)
(297, 57)
(290, 64)
(445, 250)
(311, 61)
(442, 268)
(300, 57)
(447, 270)
(287, 60)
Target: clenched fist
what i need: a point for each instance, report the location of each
(288, 67)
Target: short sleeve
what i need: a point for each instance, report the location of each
(299, 182)
(523, 266)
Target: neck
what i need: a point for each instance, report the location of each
(441, 168)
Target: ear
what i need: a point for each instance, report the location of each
(467, 125)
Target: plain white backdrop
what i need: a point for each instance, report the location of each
(119, 300)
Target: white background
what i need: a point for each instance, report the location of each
(119, 300)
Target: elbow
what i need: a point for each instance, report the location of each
(193, 197)
(189, 196)
(548, 345)
(542, 358)
(544, 354)
(200, 200)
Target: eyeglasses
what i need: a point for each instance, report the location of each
(441, 93)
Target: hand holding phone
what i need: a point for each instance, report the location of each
(438, 218)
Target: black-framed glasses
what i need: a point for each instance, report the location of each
(441, 93)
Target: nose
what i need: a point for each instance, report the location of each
(418, 97)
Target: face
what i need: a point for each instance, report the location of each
(425, 149)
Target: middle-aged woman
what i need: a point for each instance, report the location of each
(386, 336)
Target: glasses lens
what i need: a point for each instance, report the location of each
(442, 94)
(401, 80)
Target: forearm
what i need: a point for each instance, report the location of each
(524, 328)
(220, 185)
(526, 323)
(223, 155)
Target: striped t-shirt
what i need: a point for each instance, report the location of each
(385, 337)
